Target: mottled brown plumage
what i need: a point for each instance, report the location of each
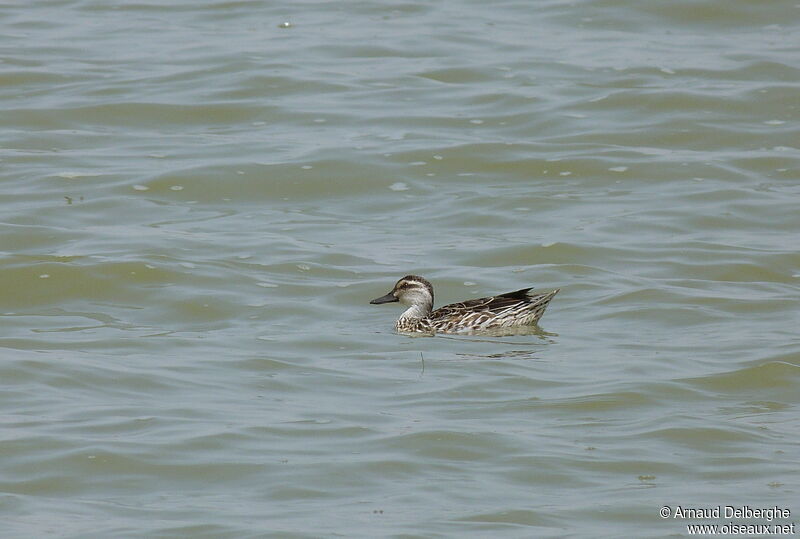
(507, 310)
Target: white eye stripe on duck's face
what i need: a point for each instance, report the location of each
(408, 284)
(404, 287)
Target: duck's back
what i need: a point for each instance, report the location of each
(511, 309)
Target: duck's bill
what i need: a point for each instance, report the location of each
(388, 298)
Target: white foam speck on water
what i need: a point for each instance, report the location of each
(438, 157)
(469, 283)
(466, 174)
(177, 188)
(774, 122)
(576, 115)
(264, 284)
(399, 186)
(565, 173)
(618, 169)
(417, 163)
(149, 266)
(73, 175)
(698, 179)
(303, 267)
(666, 70)
(138, 187)
(549, 244)
(307, 167)
(44, 276)
(240, 172)
(320, 120)
(476, 122)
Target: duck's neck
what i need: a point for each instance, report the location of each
(416, 311)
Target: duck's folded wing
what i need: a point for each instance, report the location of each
(490, 304)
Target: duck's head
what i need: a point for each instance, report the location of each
(410, 290)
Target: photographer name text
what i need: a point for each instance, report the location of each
(729, 511)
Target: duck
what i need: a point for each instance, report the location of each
(509, 310)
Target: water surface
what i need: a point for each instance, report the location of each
(201, 198)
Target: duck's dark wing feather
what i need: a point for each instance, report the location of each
(490, 304)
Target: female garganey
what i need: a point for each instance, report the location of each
(503, 311)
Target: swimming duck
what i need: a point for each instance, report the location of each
(503, 311)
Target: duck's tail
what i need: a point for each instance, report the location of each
(536, 306)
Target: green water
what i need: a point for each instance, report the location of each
(199, 201)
